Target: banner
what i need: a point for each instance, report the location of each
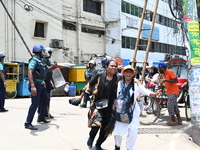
(192, 25)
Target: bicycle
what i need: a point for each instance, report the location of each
(153, 106)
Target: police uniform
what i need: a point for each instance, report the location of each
(2, 90)
(39, 75)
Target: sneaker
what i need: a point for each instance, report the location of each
(90, 142)
(83, 105)
(98, 147)
(117, 148)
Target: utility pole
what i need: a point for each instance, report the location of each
(16, 28)
(191, 23)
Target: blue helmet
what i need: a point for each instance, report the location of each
(2, 54)
(38, 48)
(162, 65)
(104, 62)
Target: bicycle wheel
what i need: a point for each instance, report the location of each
(150, 110)
(187, 107)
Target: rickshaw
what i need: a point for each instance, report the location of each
(12, 78)
(153, 106)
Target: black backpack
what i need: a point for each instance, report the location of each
(123, 111)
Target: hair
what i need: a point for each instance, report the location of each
(109, 61)
(155, 70)
(138, 75)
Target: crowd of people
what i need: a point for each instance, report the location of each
(109, 90)
(108, 85)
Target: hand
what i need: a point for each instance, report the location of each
(137, 81)
(55, 64)
(43, 83)
(159, 92)
(4, 84)
(162, 80)
(33, 91)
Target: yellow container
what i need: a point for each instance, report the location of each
(76, 74)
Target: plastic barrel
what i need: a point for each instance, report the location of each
(72, 89)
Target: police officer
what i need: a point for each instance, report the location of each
(2, 83)
(37, 73)
(48, 81)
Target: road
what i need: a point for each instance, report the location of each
(69, 131)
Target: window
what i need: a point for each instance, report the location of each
(68, 25)
(40, 29)
(123, 6)
(133, 41)
(128, 42)
(92, 31)
(127, 8)
(92, 7)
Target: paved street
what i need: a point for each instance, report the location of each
(69, 131)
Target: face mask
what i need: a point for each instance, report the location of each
(161, 71)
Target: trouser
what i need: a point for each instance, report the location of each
(49, 88)
(42, 96)
(86, 98)
(102, 134)
(172, 105)
(130, 139)
(2, 94)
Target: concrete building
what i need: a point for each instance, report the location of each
(75, 28)
(123, 20)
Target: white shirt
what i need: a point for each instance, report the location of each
(122, 128)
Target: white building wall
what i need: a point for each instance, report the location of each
(51, 12)
(166, 34)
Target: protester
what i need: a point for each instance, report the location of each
(2, 83)
(121, 128)
(106, 87)
(37, 73)
(170, 80)
(89, 73)
(152, 79)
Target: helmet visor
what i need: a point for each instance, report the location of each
(45, 53)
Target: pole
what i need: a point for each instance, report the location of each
(191, 23)
(16, 28)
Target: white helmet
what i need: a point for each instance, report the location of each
(48, 49)
(92, 62)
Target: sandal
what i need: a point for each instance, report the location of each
(179, 123)
(171, 123)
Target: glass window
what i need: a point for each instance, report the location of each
(127, 8)
(39, 29)
(140, 10)
(92, 7)
(132, 10)
(133, 41)
(123, 42)
(127, 42)
(136, 11)
(123, 6)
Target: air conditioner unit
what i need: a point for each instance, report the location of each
(55, 43)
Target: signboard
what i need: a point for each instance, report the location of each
(191, 23)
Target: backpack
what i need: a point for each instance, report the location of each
(123, 111)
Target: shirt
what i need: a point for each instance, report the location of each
(172, 88)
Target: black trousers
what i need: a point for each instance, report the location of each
(102, 134)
